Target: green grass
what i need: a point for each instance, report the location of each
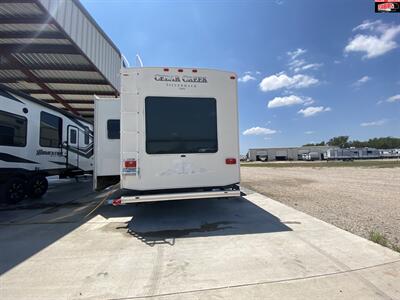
(396, 248)
(382, 240)
(325, 164)
(378, 238)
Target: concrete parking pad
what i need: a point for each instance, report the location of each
(250, 247)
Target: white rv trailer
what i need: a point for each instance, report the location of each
(179, 135)
(352, 153)
(38, 140)
(107, 142)
(311, 156)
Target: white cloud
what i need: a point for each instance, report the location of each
(246, 77)
(313, 110)
(281, 80)
(289, 100)
(362, 80)
(381, 41)
(377, 26)
(258, 131)
(308, 67)
(374, 123)
(309, 132)
(298, 64)
(394, 98)
(296, 53)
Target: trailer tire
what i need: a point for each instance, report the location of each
(37, 186)
(14, 190)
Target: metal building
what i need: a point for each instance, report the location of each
(289, 153)
(54, 50)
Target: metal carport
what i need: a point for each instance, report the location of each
(53, 50)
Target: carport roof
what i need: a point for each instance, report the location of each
(53, 50)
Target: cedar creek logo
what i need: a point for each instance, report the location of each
(184, 79)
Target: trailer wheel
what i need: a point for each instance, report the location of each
(14, 190)
(37, 186)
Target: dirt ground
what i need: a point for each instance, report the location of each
(359, 200)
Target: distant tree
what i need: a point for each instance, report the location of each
(358, 144)
(384, 143)
(339, 141)
(314, 144)
(343, 142)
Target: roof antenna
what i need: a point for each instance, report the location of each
(139, 60)
(124, 59)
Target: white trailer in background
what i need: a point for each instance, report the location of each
(352, 153)
(311, 156)
(179, 135)
(340, 154)
(38, 140)
(107, 142)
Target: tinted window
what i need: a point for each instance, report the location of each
(113, 129)
(87, 136)
(50, 130)
(12, 130)
(72, 136)
(181, 125)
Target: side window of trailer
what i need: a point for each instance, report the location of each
(50, 130)
(13, 129)
(87, 136)
(73, 136)
(113, 129)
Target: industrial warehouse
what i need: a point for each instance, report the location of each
(311, 153)
(290, 153)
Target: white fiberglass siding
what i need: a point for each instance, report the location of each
(179, 155)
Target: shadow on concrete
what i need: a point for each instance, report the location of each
(163, 222)
(32, 225)
(28, 228)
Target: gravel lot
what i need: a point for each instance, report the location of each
(358, 199)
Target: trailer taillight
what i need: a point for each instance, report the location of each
(116, 202)
(130, 164)
(230, 161)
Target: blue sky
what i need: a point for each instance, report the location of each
(315, 69)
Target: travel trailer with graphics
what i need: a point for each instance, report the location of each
(39, 140)
(178, 135)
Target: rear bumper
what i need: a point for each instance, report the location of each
(174, 196)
